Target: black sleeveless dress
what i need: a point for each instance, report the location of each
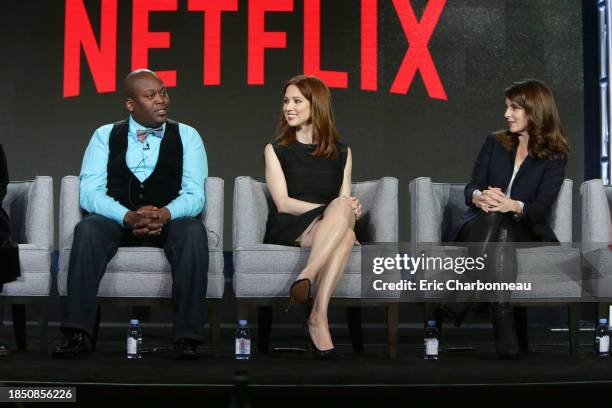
(309, 178)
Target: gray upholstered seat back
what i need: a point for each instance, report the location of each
(29, 205)
(15, 204)
(451, 207)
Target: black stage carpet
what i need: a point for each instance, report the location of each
(467, 364)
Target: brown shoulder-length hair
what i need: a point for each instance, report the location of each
(324, 131)
(546, 135)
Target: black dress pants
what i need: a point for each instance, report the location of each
(96, 240)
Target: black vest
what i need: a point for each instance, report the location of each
(161, 187)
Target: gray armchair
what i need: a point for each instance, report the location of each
(141, 275)
(436, 209)
(263, 273)
(29, 205)
(596, 236)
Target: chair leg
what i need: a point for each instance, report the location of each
(522, 328)
(215, 325)
(94, 335)
(392, 321)
(19, 325)
(43, 326)
(353, 317)
(264, 327)
(574, 327)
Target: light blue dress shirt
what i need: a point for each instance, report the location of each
(141, 159)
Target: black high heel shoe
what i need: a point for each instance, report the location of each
(299, 292)
(329, 355)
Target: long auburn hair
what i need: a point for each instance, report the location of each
(324, 131)
(546, 135)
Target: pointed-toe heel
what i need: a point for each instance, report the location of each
(328, 355)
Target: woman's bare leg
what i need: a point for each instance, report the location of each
(328, 279)
(326, 235)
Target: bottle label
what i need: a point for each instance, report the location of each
(243, 346)
(431, 347)
(604, 344)
(131, 345)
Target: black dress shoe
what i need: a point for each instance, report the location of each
(186, 349)
(504, 330)
(77, 345)
(4, 351)
(328, 355)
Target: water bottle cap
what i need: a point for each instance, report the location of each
(134, 321)
(431, 322)
(603, 321)
(242, 322)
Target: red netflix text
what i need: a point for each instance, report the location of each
(100, 49)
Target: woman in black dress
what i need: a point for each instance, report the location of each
(515, 182)
(308, 173)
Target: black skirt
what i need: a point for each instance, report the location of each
(284, 229)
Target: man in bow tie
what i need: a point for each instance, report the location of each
(142, 184)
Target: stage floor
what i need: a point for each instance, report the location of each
(467, 363)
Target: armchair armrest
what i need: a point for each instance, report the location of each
(70, 212)
(380, 209)
(213, 212)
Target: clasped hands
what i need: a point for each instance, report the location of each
(147, 221)
(494, 200)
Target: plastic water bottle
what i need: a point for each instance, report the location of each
(243, 341)
(602, 339)
(431, 341)
(134, 340)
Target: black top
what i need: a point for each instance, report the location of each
(537, 184)
(161, 187)
(309, 178)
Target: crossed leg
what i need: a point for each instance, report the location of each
(330, 240)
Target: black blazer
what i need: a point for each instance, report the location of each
(537, 184)
(4, 180)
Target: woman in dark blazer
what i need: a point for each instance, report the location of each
(515, 182)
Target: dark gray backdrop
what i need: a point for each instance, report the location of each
(479, 47)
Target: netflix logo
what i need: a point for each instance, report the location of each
(100, 48)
